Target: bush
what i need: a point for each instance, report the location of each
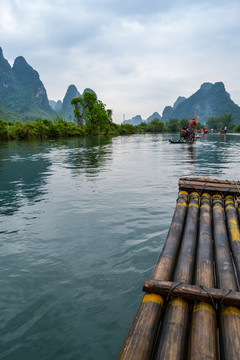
(126, 129)
(3, 130)
(155, 126)
(237, 128)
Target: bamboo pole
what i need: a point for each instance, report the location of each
(196, 123)
(203, 344)
(191, 292)
(229, 315)
(209, 180)
(209, 185)
(165, 264)
(173, 331)
(141, 337)
(238, 200)
(233, 230)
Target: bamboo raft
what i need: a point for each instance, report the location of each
(191, 306)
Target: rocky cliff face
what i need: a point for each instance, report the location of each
(7, 81)
(6, 76)
(66, 109)
(21, 90)
(29, 80)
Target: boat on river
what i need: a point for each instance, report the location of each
(180, 141)
(191, 305)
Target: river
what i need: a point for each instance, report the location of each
(82, 224)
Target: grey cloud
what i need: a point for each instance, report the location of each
(126, 51)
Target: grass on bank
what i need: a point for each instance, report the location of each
(60, 128)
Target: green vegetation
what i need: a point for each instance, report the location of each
(60, 128)
(39, 129)
(56, 128)
(155, 126)
(93, 119)
(237, 128)
(219, 122)
(91, 113)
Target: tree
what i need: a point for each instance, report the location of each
(200, 126)
(77, 102)
(237, 128)
(91, 112)
(173, 125)
(213, 123)
(155, 125)
(110, 113)
(184, 123)
(227, 120)
(220, 121)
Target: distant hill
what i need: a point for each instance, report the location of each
(22, 94)
(155, 115)
(211, 99)
(136, 120)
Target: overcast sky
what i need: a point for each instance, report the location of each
(138, 56)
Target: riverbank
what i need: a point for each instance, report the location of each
(53, 129)
(60, 128)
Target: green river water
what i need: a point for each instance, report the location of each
(82, 224)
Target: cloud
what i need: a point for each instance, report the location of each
(137, 56)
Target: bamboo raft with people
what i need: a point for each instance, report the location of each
(188, 135)
(191, 305)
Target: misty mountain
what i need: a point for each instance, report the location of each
(23, 97)
(155, 115)
(136, 120)
(178, 101)
(22, 93)
(211, 99)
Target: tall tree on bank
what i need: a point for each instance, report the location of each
(91, 112)
(218, 122)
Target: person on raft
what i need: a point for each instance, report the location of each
(184, 133)
(191, 133)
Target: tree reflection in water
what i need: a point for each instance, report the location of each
(23, 171)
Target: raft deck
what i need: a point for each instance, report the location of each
(191, 306)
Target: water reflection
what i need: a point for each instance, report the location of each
(22, 174)
(192, 154)
(90, 155)
(215, 153)
(25, 166)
